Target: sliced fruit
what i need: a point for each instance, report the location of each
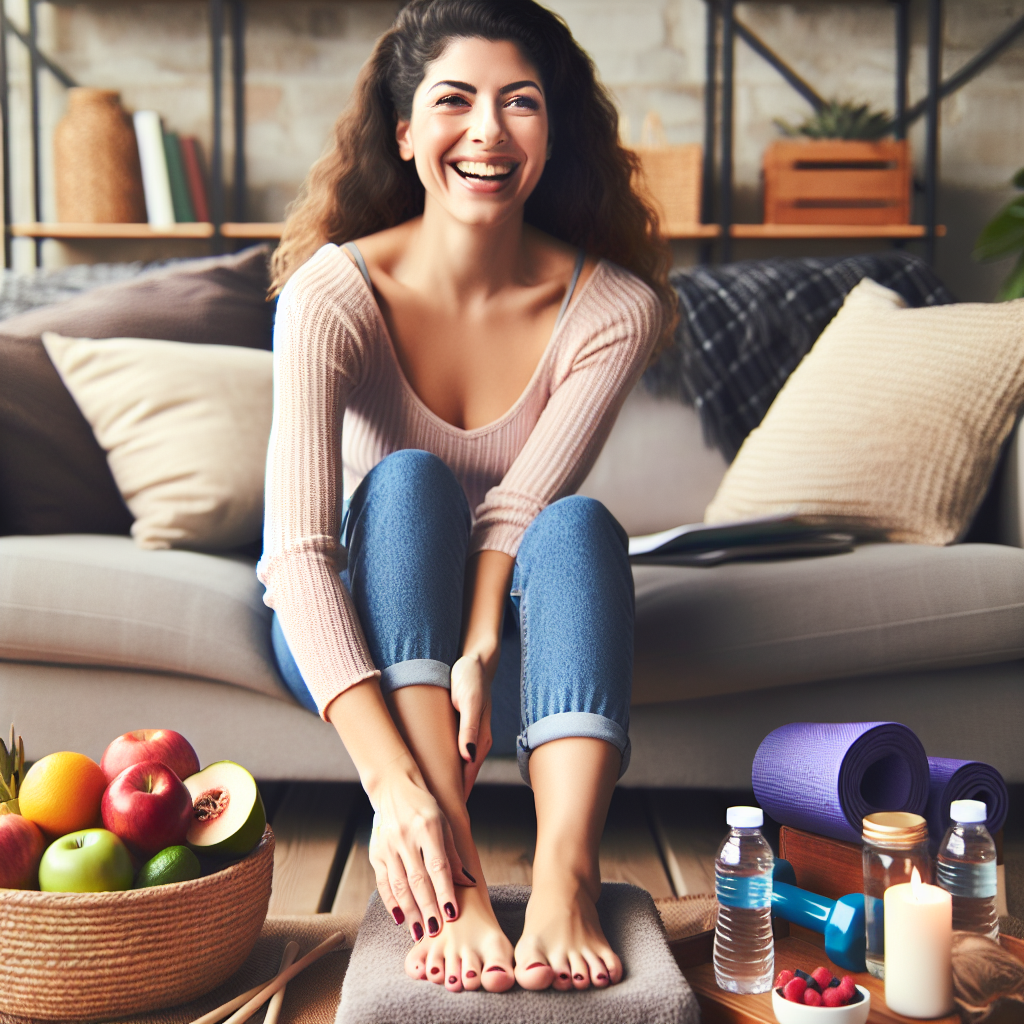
(175, 864)
(228, 818)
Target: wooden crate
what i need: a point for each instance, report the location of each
(837, 182)
(672, 177)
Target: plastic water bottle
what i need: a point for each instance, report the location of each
(967, 869)
(744, 952)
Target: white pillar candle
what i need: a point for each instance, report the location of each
(918, 949)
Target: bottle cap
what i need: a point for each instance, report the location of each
(744, 817)
(895, 829)
(968, 812)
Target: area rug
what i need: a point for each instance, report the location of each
(653, 991)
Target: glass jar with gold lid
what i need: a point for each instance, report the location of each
(895, 843)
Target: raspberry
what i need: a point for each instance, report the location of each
(812, 997)
(847, 988)
(823, 976)
(784, 978)
(832, 998)
(794, 990)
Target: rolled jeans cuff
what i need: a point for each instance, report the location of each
(416, 672)
(571, 723)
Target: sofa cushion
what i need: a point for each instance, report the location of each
(880, 608)
(77, 599)
(53, 474)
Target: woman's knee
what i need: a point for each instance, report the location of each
(576, 522)
(415, 480)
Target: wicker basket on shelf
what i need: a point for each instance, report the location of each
(671, 175)
(94, 956)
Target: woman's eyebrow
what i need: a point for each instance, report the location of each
(517, 85)
(465, 86)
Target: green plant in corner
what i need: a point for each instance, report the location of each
(12, 772)
(1003, 236)
(837, 120)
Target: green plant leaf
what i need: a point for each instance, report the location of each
(1013, 286)
(836, 120)
(1018, 179)
(1003, 235)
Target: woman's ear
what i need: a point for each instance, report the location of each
(404, 140)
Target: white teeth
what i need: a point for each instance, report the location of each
(482, 170)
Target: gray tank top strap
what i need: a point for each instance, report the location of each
(577, 270)
(360, 262)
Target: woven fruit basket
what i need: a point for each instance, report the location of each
(94, 956)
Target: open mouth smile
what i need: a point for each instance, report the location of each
(475, 170)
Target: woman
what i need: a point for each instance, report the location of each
(478, 339)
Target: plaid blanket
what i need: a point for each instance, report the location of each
(744, 327)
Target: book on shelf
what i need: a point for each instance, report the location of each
(190, 157)
(180, 198)
(155, 181)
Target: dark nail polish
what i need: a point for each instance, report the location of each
(602, 977)
(449, 909)
(470, 974)
(417, 930)
(432, 926)
(435, 970)
(489, 969)
(471, 747)
(452, 980)
(397, 914)
(564, 977)
(577, 977)
(469, 876)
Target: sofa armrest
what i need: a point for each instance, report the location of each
(1011, 500)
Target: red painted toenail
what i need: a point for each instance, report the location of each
(577, 977)
(602, 977)
(531, 967)
(452, 980)
(434, 970)
(564, 977)
(502, 969)
(470, 974)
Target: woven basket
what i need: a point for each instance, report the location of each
(671, 176)
(93, 956)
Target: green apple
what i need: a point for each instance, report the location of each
(92, 860)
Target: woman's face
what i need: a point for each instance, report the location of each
(478, 130)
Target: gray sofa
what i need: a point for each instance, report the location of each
(98, 637)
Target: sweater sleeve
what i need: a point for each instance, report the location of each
(318, 337)
(608, 352)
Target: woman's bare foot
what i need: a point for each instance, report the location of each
(562, 945)
(468, 953)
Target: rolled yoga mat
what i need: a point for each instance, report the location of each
(825, 777)
(964, 780)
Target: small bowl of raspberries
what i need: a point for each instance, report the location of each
(802, 998)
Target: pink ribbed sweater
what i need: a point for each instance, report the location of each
(334, 362)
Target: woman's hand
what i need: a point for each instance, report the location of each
(414, 857)
(471, 697)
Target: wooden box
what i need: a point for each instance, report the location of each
(837, 182)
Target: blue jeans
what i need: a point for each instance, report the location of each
(566, 664)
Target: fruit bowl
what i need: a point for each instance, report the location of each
(94, 956)
(797, 1013)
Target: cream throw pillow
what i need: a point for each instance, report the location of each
(185, 428)
(894, 420)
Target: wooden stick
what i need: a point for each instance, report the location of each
(246, 997)
(284, 977)
(291, 951)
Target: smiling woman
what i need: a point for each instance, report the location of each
(470, 286)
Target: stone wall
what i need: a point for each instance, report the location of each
(303, 58)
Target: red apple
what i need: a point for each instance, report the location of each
(148, 807)
(163, 745)
(21, 849)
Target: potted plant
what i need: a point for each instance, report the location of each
(837, 168)
(1003, 236)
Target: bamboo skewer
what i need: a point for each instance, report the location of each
(249, 1002)
(291, 951)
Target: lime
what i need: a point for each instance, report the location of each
(175, 864)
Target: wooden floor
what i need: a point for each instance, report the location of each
(661, 840)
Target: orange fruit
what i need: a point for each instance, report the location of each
(62, 793)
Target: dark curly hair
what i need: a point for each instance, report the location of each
(587, 195)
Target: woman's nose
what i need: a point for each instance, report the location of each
(488, 129)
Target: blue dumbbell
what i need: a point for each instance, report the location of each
(841, 921)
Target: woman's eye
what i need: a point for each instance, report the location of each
(452, 101)
(523, 102)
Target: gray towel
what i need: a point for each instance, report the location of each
(653, 991)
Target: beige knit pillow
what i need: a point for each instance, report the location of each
(185, 428)
(894, 420)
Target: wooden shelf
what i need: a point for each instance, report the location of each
(97, 231)
(682, 231)
(251, 230)
(780, 231)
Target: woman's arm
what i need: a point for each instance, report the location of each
(488, 575)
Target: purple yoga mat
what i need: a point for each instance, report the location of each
(964, 780)
(825, 777)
